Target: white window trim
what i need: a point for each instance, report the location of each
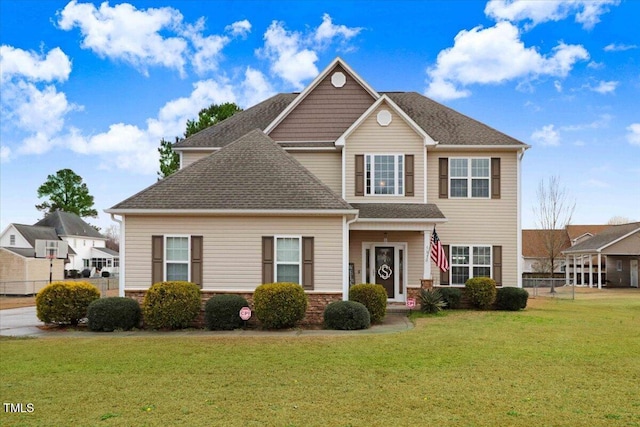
(469, 178)
(275, 256)
(164, 255)
(471, 264)
(370, 191)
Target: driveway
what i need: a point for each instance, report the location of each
(20, 322)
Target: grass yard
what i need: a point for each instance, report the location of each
(559, 362)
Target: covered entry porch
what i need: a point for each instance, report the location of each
(389, 245)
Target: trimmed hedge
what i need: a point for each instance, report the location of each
(346, 316)
(280, 305)
(452, 296)
(374, 297)
(511, 299)
(171, 305)
(222, 312)
(481, 292)
(65, 302)
(109, 314)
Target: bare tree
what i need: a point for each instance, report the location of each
(619, 220)
(553, 213)
(113, 237)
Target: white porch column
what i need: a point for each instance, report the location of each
(566, 269)
(599, 270)
(590, 270)
(426, 256)
(345, 259)
(575, 271)
(582, 269)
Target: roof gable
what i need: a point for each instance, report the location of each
(36, 232)
(384, 100)
(252, 173)
(326, 108)
(610, 236)
(69, 224)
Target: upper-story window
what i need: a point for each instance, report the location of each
(384, 174)
(469, 177)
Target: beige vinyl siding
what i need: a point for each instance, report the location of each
(326, 166)
(326, 112)
(23, 276)
(473, 221)
(190, 156)
(232, 248)
(397, 138)
(413, 257)
(628, 246)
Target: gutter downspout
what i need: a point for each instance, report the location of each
(520, 155)
(345, 255)
(121, 268)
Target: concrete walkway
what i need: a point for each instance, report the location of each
(22, 322)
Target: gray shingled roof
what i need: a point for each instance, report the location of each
(604, 239)
(257, 117)
(69, 224)
(36, 232)
(25, 252)
(398, 210)
(442, 123)
(447, 126)
(107, 251)
(251, 173)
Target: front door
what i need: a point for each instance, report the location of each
(634, 273)
(385, 268)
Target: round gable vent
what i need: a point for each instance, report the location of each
(384, 117)
(338, 79)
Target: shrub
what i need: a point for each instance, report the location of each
(109, 314)
(65, 302)
(431, 301)
(105, 274)
(374, 297)
(452, 296)
(481, 292)
(222, 312)
(346, 315)
(512, 299)
(171, 305)
(279, 305)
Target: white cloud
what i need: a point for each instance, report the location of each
(600, 123)
(613, 47)
(634, 134)
(557, 85)
(547, 136)
(255, 87)
(289, 60)
(605, 87)
(494, 55)
(239, 28)
(596, 183)
(327, 31)
(207, 49)
(125, 33)
(5, 153)
(293, 54)
(31, 66)
(587, 12)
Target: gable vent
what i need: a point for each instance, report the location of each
(384, 118)
(338, 79)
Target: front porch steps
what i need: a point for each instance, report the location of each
(397, 308)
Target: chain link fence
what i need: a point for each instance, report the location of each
(549, 288)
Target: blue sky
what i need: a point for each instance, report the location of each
(94, 86)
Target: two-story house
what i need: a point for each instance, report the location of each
(334, 185)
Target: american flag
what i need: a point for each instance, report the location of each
(437, 252)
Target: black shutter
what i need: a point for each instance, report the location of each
(444, 275)
(359, 184)
(443, 175)
(307, 263)
(267, 259)
(495, 178)
(408, 175)
(196, 260)
(157, 259)
(497, 265)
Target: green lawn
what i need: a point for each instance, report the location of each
(559, 362)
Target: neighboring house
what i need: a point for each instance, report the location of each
(619, 244)
(21, 273)
(535, 251)
(337, 179)
(86, 246)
